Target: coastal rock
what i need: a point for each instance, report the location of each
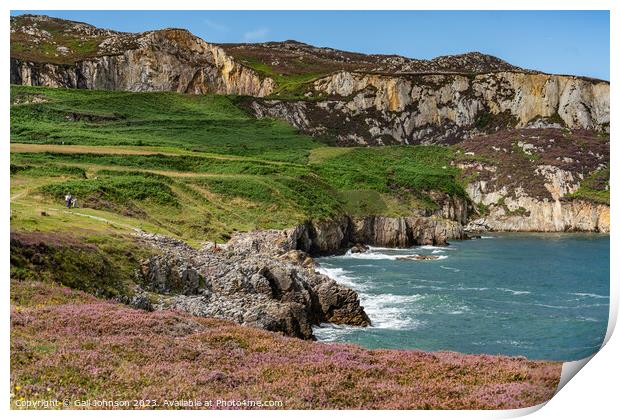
(332, 236)
(402, 232)
(529, 180)
(359, 248)
(163, 275)
(418, 258)
(275, 290)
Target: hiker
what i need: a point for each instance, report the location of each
(68, 199)
(74, 203)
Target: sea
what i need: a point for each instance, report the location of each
(542, 296)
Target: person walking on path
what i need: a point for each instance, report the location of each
(68, 199)
(74, 202)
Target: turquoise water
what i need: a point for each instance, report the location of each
(542, 296)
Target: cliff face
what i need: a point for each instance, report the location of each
(326, 237)
(410, 109)
(166, 60)
(538, 180)
(522, 213)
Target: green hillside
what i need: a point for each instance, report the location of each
(198, 167)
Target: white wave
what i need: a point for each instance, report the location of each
(514, 292)
(383, 248)
(372, 256)
(436, 247)
(587, 319)
(511, 342)
(388, 311)
(430, 281)
(342, 277)
(420, 286)
(456, 312)
(456, 270)
(592, 295)
(480, 289)
(333, 332)
(487, 237)
(375, 256)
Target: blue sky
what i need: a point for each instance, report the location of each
(565, 42)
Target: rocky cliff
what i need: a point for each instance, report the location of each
(164, 60)
(378, 109)
(546, 180)
(333, 236)
(533, 147)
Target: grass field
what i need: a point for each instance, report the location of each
(197, 167)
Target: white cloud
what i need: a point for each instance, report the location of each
(256, 35)
(216, 26)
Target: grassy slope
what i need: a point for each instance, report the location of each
(595, 187)
(70, 345)
(198, 167)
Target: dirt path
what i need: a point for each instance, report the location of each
(98, 218)
(129, 150)
(72, 148)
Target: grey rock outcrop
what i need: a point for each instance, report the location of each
(246, 285)
(373, 109)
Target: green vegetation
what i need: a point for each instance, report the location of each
(204, 123)
(594, 187)
(49, 170)
(118, 189)
(483, 119)
(288, 86)
(197, 167)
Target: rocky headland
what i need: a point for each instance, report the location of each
(268, 279)
(250, 281)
